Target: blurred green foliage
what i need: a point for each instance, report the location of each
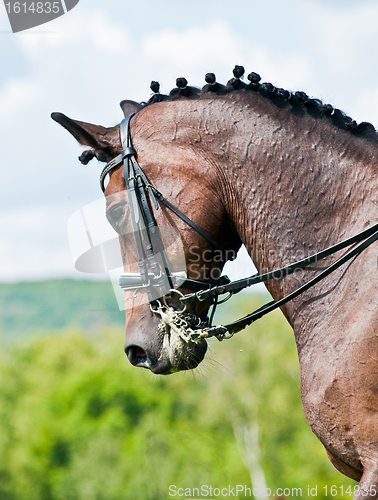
(77, 422)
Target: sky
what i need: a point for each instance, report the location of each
(88, 60)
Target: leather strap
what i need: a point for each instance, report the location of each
(237, 286)
(145, 228)
(192, 224)
(236, 326)
(203, 285)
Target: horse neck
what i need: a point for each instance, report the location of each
(292, 185)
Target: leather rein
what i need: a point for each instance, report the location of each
(190, 327)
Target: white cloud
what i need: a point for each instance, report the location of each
(217, 47)
(213, 43)
(76, 66)
(21, 261)
(25, 222)
(367, 105)
(82, 30)
(348, 35)
(33, 243)
(17, 96)
(340, 43)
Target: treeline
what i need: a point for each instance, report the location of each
(77, 422)
(44, 306)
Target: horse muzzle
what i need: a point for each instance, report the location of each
(169, 356)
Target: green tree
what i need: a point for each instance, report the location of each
(78, 422)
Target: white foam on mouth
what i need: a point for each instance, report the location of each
(176, 339)
(178, 347)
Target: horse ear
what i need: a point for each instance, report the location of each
(105, 142)
(87, 134)
(130, 107)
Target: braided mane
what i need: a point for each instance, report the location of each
(299, 100)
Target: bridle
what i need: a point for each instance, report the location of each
(190, 327)
(141, 194)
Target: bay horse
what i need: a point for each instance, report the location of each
(286, 176)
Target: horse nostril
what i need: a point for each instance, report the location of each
(137, 356)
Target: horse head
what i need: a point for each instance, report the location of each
(190, 181)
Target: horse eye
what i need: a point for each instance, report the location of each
(115, 215)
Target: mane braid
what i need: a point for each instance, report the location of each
(299, 101)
